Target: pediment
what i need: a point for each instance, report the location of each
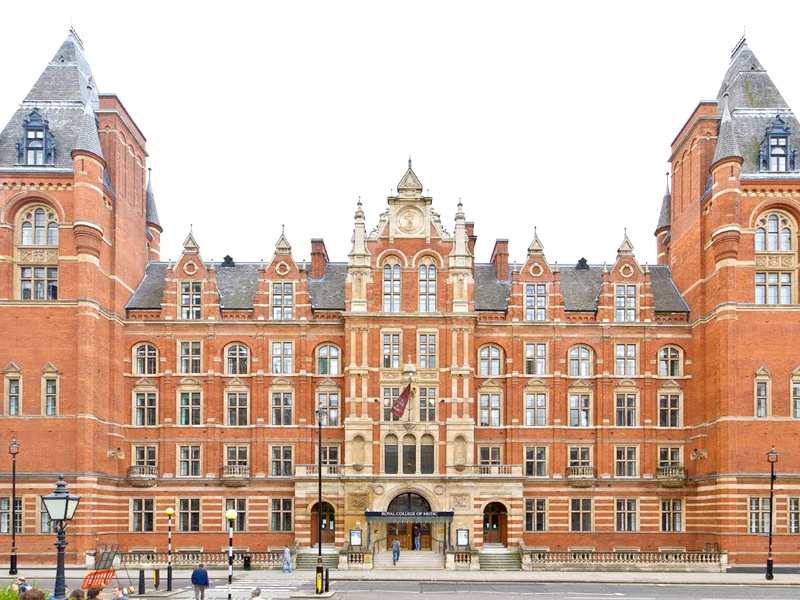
(236, 382)
(12, 368)
(580, 383)
(282, 381)
(189, 381)
(49, 368)
(536, 383)
(409, 182)
(489, 383)
(670, 383)
(144, 382)
(626, 383)
(795, 372)
(763, 371)
(327, 382)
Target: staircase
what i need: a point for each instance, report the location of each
(306, 559)
(499, 558)
(410, 560)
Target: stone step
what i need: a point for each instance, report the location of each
(410, 559)
(307, 561)
(509, 561)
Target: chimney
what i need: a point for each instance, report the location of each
(500, 259)
(319, 258)
(470, 226)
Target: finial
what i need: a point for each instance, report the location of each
(191, 229)
(409, 161)
(283, 230)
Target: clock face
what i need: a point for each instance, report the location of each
(409, 220)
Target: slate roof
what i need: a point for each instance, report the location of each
(88, 138)
(754, 101)
(150, 201)
(237, 288)
(664, 215)
(726, 139)
(60, 94)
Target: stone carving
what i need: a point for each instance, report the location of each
(38, 255)
(460, 501)
(358, 501)
(409, 426)
(775, 260)
(378, 489)
(438, 490)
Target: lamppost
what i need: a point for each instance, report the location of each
(319, 414)
(13, 450)
(169, 512)
(772, 458)
(230, 515)
(60, 506)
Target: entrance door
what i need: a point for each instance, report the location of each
(405, 533)
(495, 524)
(328, 524)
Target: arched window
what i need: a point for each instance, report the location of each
(38, 271)
(390, 454)
(146, 359)
(39, 227)
(426, 454)
(774, 234)
(490, 359)
(774, 277)
(237, 361)
(427, 286)
(580, 361)
(391, 285)
(669, 362)
(327, 360)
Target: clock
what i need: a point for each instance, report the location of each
(409, 220)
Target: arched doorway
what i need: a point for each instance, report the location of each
(328, 524)
(495, 524)
(407, 531)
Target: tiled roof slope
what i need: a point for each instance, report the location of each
(666, 207)
(237, 288)
(60, 94)
(150, 201)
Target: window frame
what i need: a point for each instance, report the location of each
(580, 409)
(281, 460)
(327, 409)
(535, 301)
(282, 300)
(629, 307)
(487, 364)
(238, 505)
(190, 294)
(668, 361)
(191, 514)
(391, 349)
(582, 514)
(671, 515)
(327, 346)
(667, 409)
(626, 415)
(237, 359)
(537, 407)
(762, 393)
(535, 358)
(626, 359)
(538, 463)
(626, 515)
(536, 515)
(281, 512)
(12, 373)
(283, 392)
(427, 298)
(191, 460)
(142, 511)
(141, 364)
(761, 523)
(626, 466)
(238, 393)
(191, 358)
(492, 409)
(145, 408)
(391, 288)
(576, 363)
(427, 350)
(193, 410)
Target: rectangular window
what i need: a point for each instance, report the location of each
(409, 458)
(281, 514)
(580, 514)
(329, 407)
(580, 406)
(427, 350)
(427, 288)
(330, 455)
(39, 283)
(390, 458)
(669, 410)
(44, 519)
(427, 404)
(189, 461)
(191, 300)
(625, 296)
(240, 506)
(5, 514)
(236, 456)
(796, 399)
(536, 409)
(50, 397)
(390, 395)
(145, 409)
(794, 515)
(535, 359)
(626, 359)
(282, 358)
(281, 461)
(536, 461)
(773, 288)
(142, 514)
(625, 461)
(672, 515)
(669, 456)
(626, 410)
(758, 515)
(580, 456)
(426, 459)
(190, 408)
(626, 514)
(490, 410)
(761, 399)
(144, 456)
(237, 408)
(489, 455)
(535, 302)
(190, 357)
(535, 514)
(13, 397)
(391, 350)
(189, 514)
(282, 300)
(281, 408)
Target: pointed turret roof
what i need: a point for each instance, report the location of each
(61, 93)
(666, 209)
(150, 202)
(726, 139)
(88, 138)
(748, 83)
(410, 182)
(190, 245)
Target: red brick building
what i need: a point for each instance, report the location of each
(619, 406)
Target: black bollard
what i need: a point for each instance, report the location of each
(141, 582)
(327, 578)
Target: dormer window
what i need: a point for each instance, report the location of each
(776, 151)
(38, 144)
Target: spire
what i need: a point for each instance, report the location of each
(626, 247)
(726, 140)
(666, 209)
(460, 237)
(282, 246)
(748, 83)
(359, 238)
(150, 202)
(88, 139)
(190, 245)
(409, 183)
(536, 248)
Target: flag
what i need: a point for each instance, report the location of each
(399, 405)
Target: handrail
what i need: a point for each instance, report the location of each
(440, 547)
(376, 546)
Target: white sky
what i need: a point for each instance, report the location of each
(260, 114)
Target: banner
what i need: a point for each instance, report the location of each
(399, 406)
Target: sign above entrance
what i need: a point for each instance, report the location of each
(444, 516)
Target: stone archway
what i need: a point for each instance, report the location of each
(412, 535)
(495, 524)
(328, 524)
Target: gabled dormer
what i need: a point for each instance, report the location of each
(280, 283)
(625, 294)
(536, 293)
(777, 153)
(37, 146)
(190, 290)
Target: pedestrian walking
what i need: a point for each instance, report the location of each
(255, 593)
(200, 582)
(117, 592)
(287, 558)
(32, 594)
(94, 593)
(395, 551)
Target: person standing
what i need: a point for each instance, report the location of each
(287, 558)
(417, 537)
(117, 593)
(395, 551)
(200, 582)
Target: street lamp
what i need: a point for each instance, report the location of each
(13, 450)
(60, 506)
(319, 414)
(169, 512)
(230, 515)
(772, 458)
